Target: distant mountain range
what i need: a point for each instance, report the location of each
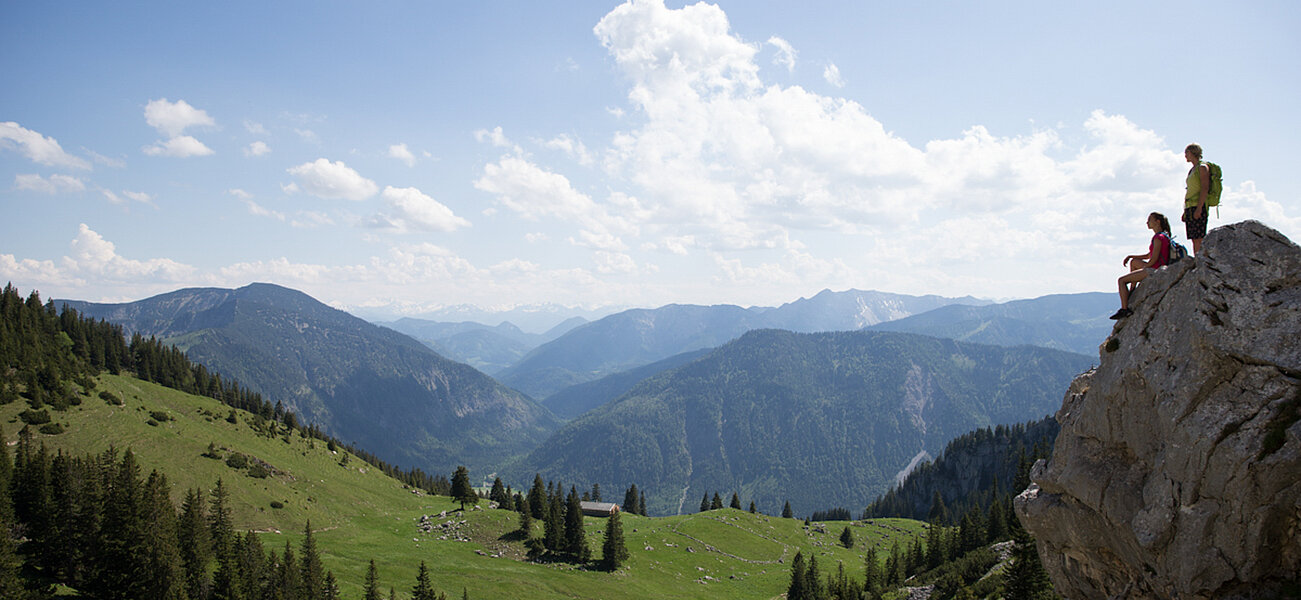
(1071, 322)
(360, 382)
(489, 349)
(638, 337)
(821, 420)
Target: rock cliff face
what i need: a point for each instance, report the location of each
(1177, 472)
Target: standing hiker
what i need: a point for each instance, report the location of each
(1142, 265)
(1198, 185)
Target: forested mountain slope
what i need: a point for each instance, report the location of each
(360, 382)
(821, 420)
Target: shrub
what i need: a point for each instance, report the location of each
(237, 461)
(52, 428)
(277, 504)
(258, 471)
(160, 416)
(35, 417)
(151, 423)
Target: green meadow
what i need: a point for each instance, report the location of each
(358, 514)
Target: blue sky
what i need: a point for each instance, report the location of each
(395, 158)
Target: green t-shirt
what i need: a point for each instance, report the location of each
(1194, 193)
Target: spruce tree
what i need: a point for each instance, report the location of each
(254, 568)
(575, 538)
(370, 589)
(423, 590)
(847, 538)
(641, 504)
(799, 586)
(526, 523)
(786, 510)
(596, 492)
(537, 498)
(164, 577)
(1025, 578)
(630, 500)
(935, 551)
(462, 491)
(704, 502)
(614, 552)
(752, 508)
(219, 521)
(313, 573)
(11, 581)
(554, 527)
(195, 540)
(871, 571)
(498, 493)
(716, 503)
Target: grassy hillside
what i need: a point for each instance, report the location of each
(359, 514)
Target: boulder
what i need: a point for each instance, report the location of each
(1177, 472)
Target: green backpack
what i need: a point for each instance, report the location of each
(1217, 185)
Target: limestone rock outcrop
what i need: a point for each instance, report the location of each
(1177, 472)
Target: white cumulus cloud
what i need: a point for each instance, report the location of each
(37, 148)
(332, 180)
(173, 118)
(178, 147)
(413, 210)
(257, 148)
(402, 153)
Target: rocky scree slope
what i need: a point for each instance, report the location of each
(1177, 472)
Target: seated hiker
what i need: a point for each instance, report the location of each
(1142, 265)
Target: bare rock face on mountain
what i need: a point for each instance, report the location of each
(1177, 472)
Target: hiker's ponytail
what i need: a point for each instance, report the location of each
(1165, 223)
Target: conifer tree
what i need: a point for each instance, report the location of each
(786, 510)
(641, 503)
(254, 568)
(847, 538)
(461, 489)
(630, 500)
(219, 521)
(423, 590)
(554, 527)
(935, 551)
(704, 502)
(537, 498)
(498, 493)
(288, 576)
(752, 508)
(716, 503)
(575, 538)
(164, 577)
(370, 589)
(123, 553)
(313, 573)
(799, 586)
(871, 571)
(526, 523)
(195, 541)
(596, 492)
(814, 578)
(1025, 578)
(614, 552)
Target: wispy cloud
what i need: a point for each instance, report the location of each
(54, 184)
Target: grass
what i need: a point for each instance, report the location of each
(359, 514)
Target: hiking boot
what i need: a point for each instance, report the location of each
(1122, 313)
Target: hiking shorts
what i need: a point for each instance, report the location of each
(1195, 228)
